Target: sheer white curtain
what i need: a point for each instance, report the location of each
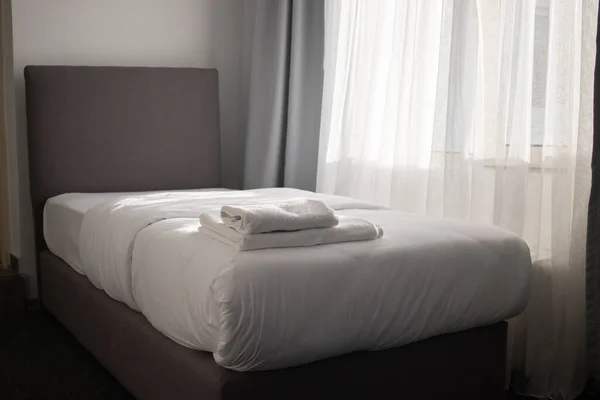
(481, 110)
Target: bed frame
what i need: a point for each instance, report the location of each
(106, 129)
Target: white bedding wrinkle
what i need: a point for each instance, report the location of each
(274, 308)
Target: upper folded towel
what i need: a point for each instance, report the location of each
(290, 215)
(347, 230)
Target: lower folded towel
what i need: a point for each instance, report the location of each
(349, 229)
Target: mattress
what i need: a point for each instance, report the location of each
(275, 308)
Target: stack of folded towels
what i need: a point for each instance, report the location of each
(294, 223)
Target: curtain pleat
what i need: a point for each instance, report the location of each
(284, 99)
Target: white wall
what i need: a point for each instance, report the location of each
(176, 33)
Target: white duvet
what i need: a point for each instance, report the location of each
(275, 308)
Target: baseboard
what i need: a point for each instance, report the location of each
(14, 263)
(12, 293)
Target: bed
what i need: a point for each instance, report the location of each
(114, 129)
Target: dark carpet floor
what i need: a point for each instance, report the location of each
(39, 359)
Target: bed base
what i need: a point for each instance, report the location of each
(464, 365)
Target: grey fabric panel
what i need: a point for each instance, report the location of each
(111, 129)
(467, 365)
(284, 105)
(101, 129)
(305, 95)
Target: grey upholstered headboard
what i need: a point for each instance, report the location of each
(111, 129)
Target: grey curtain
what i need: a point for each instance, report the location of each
(284, 94)
(593, 243)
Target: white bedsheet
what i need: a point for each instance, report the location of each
(274, 308)
(63, 216)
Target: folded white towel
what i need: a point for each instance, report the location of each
(347, 230)
(290, 215)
